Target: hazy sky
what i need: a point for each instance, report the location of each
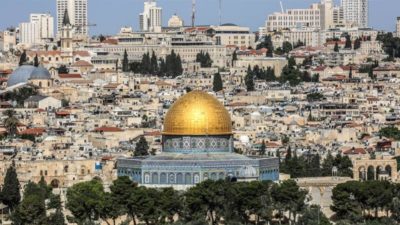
(110, 15)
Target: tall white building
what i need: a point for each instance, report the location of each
(46, 25)
(398, 27)
(39, 29)
(29, 33)
(151, 18)
(78, 14)
(355, 12)
(295, 18)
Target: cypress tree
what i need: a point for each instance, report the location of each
(263, 148)
(348, 42)
(217, 83)
(249, 80)
(154, 63)
(125, 62)
(142, 147)
(23, 59)
(336, 48)
(10, 194)
(36, 61)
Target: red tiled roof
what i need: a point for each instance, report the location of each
(69, 76)
(108, 129)
(82, 63)
(63, 113)
(355, 151)
(33, 131)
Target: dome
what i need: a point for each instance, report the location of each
(40, 73)
(20, 75)
(197, 113)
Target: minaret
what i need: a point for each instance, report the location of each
(66, 39)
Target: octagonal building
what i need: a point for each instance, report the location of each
(197, 144)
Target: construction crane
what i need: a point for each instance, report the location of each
(282, 7)
(79, 27)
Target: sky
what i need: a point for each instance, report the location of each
(111, 15)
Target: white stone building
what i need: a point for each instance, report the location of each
(151, 18)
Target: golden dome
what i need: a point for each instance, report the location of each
(197, 113)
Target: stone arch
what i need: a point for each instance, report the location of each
(163, 178)
(362, 171)
(154, 178)
(371, 173)
(83, 170)
(388, 169)
(378, 171)
(55, 183)
(179, 178)
(188, 178)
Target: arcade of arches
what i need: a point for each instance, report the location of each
(375, 169)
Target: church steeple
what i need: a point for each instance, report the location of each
(66, 20)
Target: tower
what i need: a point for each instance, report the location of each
(151, 17)
(398, 27)
(78, 15)
(355, 12)
(193, 12)
(66, 39)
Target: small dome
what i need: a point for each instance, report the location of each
(20, 75)
(40, 73)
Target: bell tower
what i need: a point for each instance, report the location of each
(66, 39)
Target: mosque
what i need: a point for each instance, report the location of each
(197, 144)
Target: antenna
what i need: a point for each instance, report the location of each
(220, 12)
(193, 12)
(282, 7)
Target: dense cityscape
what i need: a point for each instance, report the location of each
(172, 122)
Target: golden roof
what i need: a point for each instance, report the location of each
(197, 113)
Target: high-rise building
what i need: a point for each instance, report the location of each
(39, 29)
(295, 18)
(29, 33)
(398, 27)
(78, 14)
(151, 18)
(355, 12)
(46, 24)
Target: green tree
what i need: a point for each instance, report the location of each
(36, 61)
(287, 47)
(63, 69)
(348, 44)
(23, 58)
(234, 57)
(315, 96)
(125, 62)
(249, 80)
(85, 201)
(217, 83)
(327, 165)
(121, 192)
(290, 198)
(263, 148)
(10, 193)
(10, 122)
(336, 48)
(357, 43)
(142, 147)
(390, 132)
(313, 216)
